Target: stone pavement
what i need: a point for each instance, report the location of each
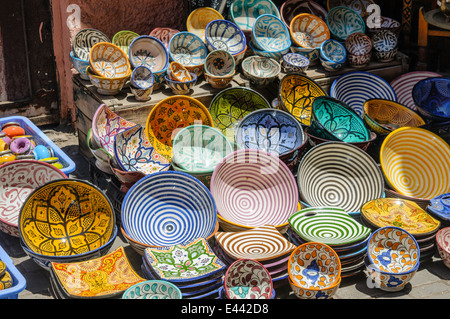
(432, 280)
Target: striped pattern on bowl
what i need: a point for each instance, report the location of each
(416, 162)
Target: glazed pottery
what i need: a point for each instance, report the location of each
(314, 140)
(422, 202)
(294, 62)
(240, 56)
(224, 35)
(296, 93)
(204, 177)
(199, 18)
(343, 21)
(219, 63)
(80, 65)
(148, 51)
(291, 8)
(133, 152)
(404, 84)
(384, 23)
(332, 55)
(173, 208)
(268, 198)
(309, 31)
(439, 207)
(311, 53)
(219, 82)
(140, 94)
(164, 35)
(84, 40)
(432, 98)
(260, 71)
(101, 156)
(337, 174)
(187, 49)
(105, 277)
(244, 12)
(153, 289)
(230, 106)
(18, 180)
(6, 281)
(355, 88)
(181, 88)
(359, 49)
(123, 39)
(107, 86)
(328, 225)
(384, 116)
(177, 72)
(443, 245)
(276, 55)
(142, 78)
(187, 263)
(159, 79)
(242, 245)
(360, 6)
(334, 120)
(248, 279)
(269, 33)
(66, 217)
(108, 60)
(416, 162)
(385, 45)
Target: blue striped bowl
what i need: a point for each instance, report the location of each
(224, 35)
(187, 49)
(168, 208)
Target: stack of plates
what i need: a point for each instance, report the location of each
(194, 268)
(407, 215)
(335, 228)
(264, 244)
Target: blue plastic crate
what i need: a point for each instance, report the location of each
(19, 282)
(42, 139)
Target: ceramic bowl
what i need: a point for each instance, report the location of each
(101, 156)
(360, 6)
(153, 289)
(355, 88)
(309, 275)
(333, 55)
(309, 31)
(231, 105)
(133, 152)
(268, 198)
(224, 35)
(443, 245)
(123, 39)
(19, 179)
(385, 116)
(343, 21)
(269, 33)
(432, 99)
(199, 18)
(159, 79)
(314, 140)
(148, 51)
(439, 207)
(276, 55)
(164, 35)
(219, 82)
(109, 61)
(248, 279)
(311, 53)
(360, 179)
(359, 49)
(170, 115)
(291, 8)
(423, 175)
(331, 119)
(385, 45)
(385, 23)
(84, 40)
(245, 12)
(294, 62)
(199, 148)
(219, 63)
(82, 219)
(174, 208)
(142, 78)
(107, 86)
(296, 94)
(260, 71)
(80, 65)
(188, 49)
(181, 88)
(240, 56)
(204, 177)
(141, 94)
(177, 72)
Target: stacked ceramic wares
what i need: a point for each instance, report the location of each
(439, 208)
(333, 55)
(198, 20)
(359, 48)
(271, 249)
(194, 268)
(406, 215)
(335, 228)
(291, 8)
(179, 79)
(385, 45)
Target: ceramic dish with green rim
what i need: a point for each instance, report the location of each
(123, 39)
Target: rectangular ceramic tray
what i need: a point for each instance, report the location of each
(19, 282)
(41, 139)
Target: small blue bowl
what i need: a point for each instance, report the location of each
(181, 88)
(142, 78)
(224, 35)
(333, 51)
(269, 33)
(41, 152)
(294, 62)
(80, 66)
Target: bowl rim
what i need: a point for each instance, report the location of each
(259, 57)
(348, 9)
(384, 18)
(118, 33)
(73, 56)
(232, 24)
(96, 76)
(150, 281)
(196, 37)
(419, 106)
(439, 236)
(326, 58)
(312, 17)
(227, 53)
(373, 137)
(173, 64)
(233, 17)
(286, 31)
(159, 42)
(133, 74)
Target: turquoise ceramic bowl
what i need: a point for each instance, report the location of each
(333, 51)
(244, 12)
(343, 21)
(269, 33)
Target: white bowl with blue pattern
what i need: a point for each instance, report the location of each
(187, 49)
(311, 53)
(148, 51)
(294, 62)
(244, 12)
(332, 55)
(269, 33)
(224, 35)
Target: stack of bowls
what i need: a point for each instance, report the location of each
(439, 208)
(385, 45)
(443, 240)
(359, 49)
(291, 8)
(333, 55)
(309, 276)
(432, 98)
(385, 23)
(141, 83)
(102, 157)
(220, 68)
(179, 79)
(392, 258)
(189, 50)
(260, 71)
(198, 275)
(335, 228)
(312, 54)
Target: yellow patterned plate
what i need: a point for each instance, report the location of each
(103, 277)
(169, 116)
(296, 94)
(416, 162)
(199, 18)
(65, 218)
(384, 116)
(6, 281)
(400, 213)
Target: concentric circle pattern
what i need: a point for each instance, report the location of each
(416, 162)
(329, 226)
(336, 174)
(168, 208)
(254, 188)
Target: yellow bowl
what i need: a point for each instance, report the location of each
(109, 61)
(199, 18)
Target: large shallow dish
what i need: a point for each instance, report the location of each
(309, 31)
(416, 162)
(268, 198)
(224, 35)
(168, 208)
(343, 21)
(187, 49)
(291, 8)
(150, 52)
(199, 18)
(84, 40)
(432, 98)
(269, 33)
(244, 12)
